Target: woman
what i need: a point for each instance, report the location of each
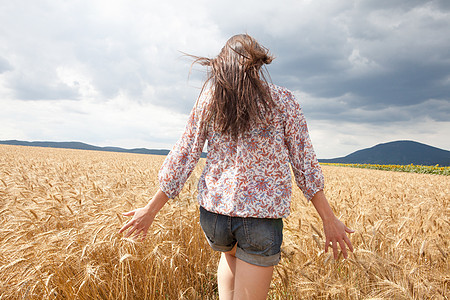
(255, 132)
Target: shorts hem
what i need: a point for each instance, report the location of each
(259, 260)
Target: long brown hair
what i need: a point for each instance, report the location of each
(240, 94)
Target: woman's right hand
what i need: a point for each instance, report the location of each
(143, 217)
(140, 223)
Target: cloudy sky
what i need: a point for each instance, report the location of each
(112, 73)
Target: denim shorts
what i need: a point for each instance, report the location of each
(258, 240)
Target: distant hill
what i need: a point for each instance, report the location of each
(83, 146)
(396, 153)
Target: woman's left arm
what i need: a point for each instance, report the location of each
(335, 230)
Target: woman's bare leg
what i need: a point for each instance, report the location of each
(251, 281)
(238, 279)
(226, 275)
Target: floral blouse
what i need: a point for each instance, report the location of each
(251, 175)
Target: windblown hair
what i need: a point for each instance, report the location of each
(240, 93)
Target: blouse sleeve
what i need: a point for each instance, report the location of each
(307, 172)
(183, 157)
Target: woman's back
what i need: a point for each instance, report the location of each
(250, 175)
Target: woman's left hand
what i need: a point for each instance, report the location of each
(336, 233)
(335, 230)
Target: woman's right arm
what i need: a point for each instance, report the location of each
(174, 172)
(183, 157)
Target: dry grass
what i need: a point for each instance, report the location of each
(60, 211)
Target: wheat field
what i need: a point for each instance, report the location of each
(60, 211)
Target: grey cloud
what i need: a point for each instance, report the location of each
(400, 4)
(405, 84)
(433, 109)
(408, 84)
(112, 74)
(32, 88)
(342, 109)
(442, 4)
(4, 65)
(370, 5)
